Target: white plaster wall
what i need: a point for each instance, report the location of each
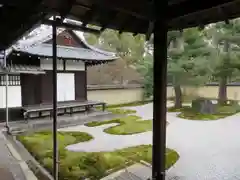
(14, 96)
(65, 87)
(46, 64)
(120, 95)
(75, 66)
(116, 96)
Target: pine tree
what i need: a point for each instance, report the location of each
(188, 60)
(226, 40)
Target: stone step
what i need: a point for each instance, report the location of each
(134, 172)
(45, 124)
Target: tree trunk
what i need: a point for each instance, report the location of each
(222, 94)
(178, 96)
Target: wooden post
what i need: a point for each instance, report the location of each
(159, 98)
(6, 94)
(54, 62)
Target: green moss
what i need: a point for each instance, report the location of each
(173, 109)
(185, 98)
(131, 104)
(172, 157)
(79, 165)
(221, 112)
(121, 111)
(99, 123)
(127, 125)
(45, 139)
(116, 108)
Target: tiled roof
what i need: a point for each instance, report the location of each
(66, 52)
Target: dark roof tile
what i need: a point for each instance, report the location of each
(66, 52)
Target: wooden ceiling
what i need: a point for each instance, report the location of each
(16, 18)
(135, 16)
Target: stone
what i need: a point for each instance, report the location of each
(203, 106)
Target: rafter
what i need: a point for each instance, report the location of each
(89, 15)
(67, 8)
(150, 30)
(140, 9)
(106, 22)
(126, 23)
(190, 7)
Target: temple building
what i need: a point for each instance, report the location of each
(30, 73)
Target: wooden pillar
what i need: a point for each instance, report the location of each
(54, 113)
(85, 82)
(159, 97)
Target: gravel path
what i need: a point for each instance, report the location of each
(107, 142)
(209, 150)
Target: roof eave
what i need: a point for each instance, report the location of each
(87, 61)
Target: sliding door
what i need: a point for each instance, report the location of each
(65, 87)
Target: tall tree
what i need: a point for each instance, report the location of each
(145, 68)
(226, 40)
(188, 60)
(128, 47)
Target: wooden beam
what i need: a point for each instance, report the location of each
(89, 15)
(128, 22)
(67, 8)
(190, 7)
(189, 20)
(14, 3)
(112, 16)
(172, 2)
(150, 30)
(25, 21)
(140, 9)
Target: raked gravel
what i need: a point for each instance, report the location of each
(209, 150)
